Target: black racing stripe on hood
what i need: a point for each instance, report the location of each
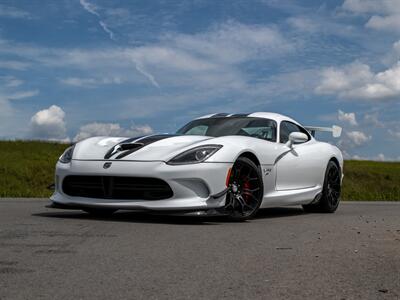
(154, 138)
(238, 115)
(138, 144)
(130, 140)
(111, 152)
(219, 115)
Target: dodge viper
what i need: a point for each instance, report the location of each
(219, 164)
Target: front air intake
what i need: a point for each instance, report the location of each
(116, 187)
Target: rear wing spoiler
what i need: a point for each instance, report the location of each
(336, 130)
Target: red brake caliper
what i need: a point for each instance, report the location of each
(246, 186)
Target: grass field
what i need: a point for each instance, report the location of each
(27, 168)
(371, 180)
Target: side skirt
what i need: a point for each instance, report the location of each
(291, 197)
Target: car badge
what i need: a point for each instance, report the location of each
(107, 165)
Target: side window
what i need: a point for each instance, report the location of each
(287, 128)
(261, 129)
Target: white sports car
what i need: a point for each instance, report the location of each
(229, 164)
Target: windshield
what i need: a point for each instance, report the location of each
(246, 126)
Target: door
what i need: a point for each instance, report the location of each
(297, 167)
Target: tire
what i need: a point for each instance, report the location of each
(100, 212)
(246, 190)
(330, 197)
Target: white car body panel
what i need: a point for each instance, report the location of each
(291, 175)
(299, 169)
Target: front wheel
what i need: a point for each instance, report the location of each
(330, 198)
(245, 190)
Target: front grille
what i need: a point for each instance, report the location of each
(116, 187)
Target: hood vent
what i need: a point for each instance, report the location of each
(123, 147)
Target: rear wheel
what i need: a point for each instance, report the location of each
(245, 190)
(100, 212)
(330, 198)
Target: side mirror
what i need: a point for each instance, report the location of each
(296, 138)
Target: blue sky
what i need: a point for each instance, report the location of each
(77, 68)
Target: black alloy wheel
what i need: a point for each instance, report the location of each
(245, 190)
(330, 198)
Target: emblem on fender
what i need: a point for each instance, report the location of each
(267, 171)
(107, 165)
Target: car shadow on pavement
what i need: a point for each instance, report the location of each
(279, 212)
(142, 217)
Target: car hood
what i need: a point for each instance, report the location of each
(148, 148)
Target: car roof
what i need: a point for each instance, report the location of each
(266, 115)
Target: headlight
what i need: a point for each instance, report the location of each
(195, 155)
(66, 157)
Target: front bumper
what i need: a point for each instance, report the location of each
(196, 187)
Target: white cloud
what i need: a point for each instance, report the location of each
(396, 46)
(12, 12)
(385, 13)
(22, 94)
(190, 70)
(167, 57)
(233, 43)
(357, 137)
(372, 6)
(394, 133)
(342, 79)
(357, 81)
(321, 24)
(91, 82)
(49, 124)
(379, 157)
(303, 24)
(393, 56)
(13, 65)
(10, 81)
(111, 129)
(107, 30)
(210, 59)
(372, 119)
(140, 68)
(10, 117)
(7, 96)
(391, 23)
(93, 9)
(347, 117)
(89, 7)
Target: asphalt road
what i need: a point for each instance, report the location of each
(282, 254)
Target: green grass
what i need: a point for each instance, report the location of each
(371, 180)
(27, 168)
